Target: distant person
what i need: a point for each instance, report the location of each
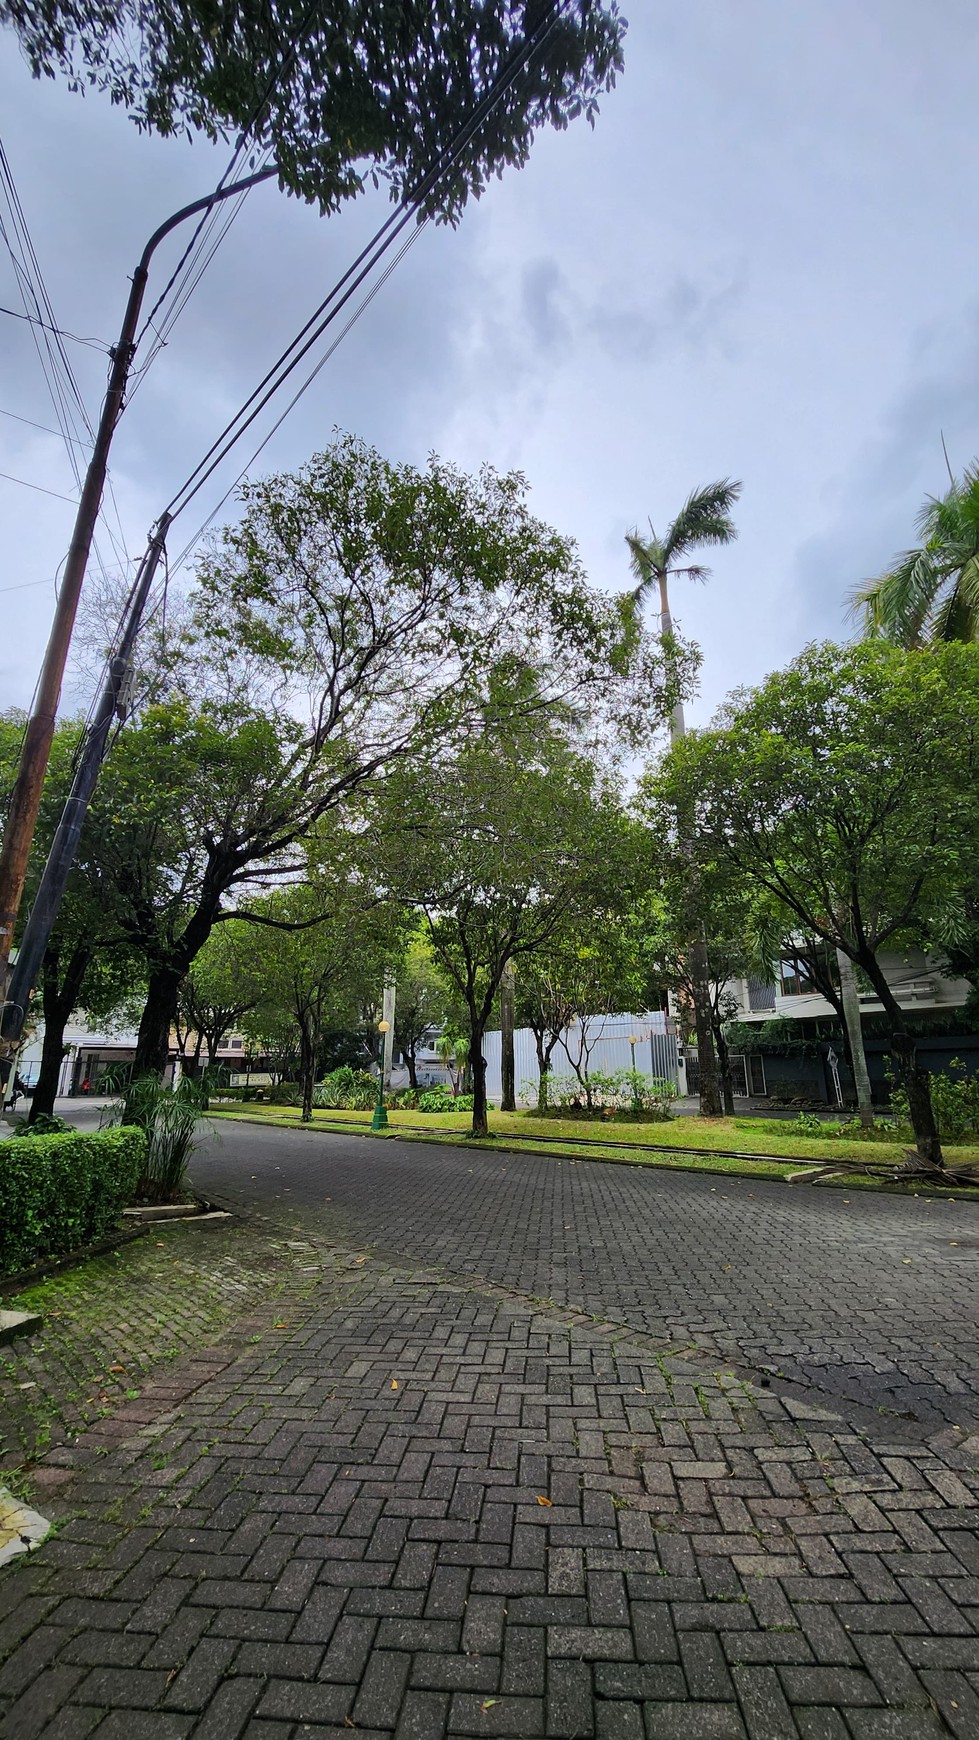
(86, 1086)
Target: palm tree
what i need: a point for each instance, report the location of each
(704, 519)
(932, 592)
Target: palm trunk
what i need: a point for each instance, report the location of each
(854, 1032)
(699, 970)
(724, 1063)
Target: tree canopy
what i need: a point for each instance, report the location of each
(844, 789)
(336, 91)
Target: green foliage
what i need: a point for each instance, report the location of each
(339, 92)
(47, 1124)
(285, 1093)
(705, 518)
(60, 1192)
(780, 1037)
(441, 1099)
(622, 1092)
(346, 1089)
(931, 593)
(956, 1103)
(170, 1118)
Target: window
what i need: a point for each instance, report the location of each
(794, 981)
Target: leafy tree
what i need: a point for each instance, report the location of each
(704, 520)
(215, 996)
(594, 965)
(315, 946)
(421, 1002)
(495, 844)
(354, 618)
(335, 92)
(930, 594)
(844, 788)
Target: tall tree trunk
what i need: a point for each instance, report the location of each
(724, 1064)
(157, 1021)
(917, 1082)
(59, 1000)
(854, 1032)
(699, 968)
(409, 1057)
(307, 1070)
(508, 1066)
(543, 1071)
(477, 1064)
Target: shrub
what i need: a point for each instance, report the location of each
(45, 1124)
(621, 1093)
(406, 1100)
(955, 1104)
(287, 1093)
(58, 1193)
(346, 1090)
(441, 1099)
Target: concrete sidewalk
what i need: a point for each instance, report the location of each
(422, 1506)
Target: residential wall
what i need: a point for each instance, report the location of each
(656, 1053)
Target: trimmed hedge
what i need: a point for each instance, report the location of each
(58, 1193)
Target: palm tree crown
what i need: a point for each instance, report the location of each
(931, 593)
(704, 519)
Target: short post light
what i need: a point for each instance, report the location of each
(380, 1119)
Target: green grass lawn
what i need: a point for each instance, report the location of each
(667, 1144)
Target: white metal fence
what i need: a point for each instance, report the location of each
(607, 1040)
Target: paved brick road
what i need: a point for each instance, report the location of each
(434, 1508)
(872, 1300)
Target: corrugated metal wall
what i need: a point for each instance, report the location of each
(608, 1038)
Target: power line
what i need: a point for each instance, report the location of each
(45, 430)
(39, 487)
(59, 331)
(66, 398)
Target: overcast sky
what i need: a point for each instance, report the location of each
(763, 263)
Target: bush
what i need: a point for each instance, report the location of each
(955, 1104)
(45, 1124)
(623, 1094)
(287, 1093)
(442, 1099)
(58, 1193)
(346, 1090)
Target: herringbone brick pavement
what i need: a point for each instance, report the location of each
(424, 1507)
(865, 1298)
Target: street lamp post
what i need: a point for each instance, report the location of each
(380, 1119)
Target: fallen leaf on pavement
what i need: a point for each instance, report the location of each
(546, 1502)
(394, 1383)
(487, 1703)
